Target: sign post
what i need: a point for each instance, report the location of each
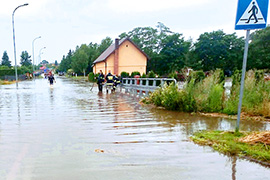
(251, 14)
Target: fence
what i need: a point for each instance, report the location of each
(13, 78)
(143, 86)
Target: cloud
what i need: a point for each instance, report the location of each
(124, 6)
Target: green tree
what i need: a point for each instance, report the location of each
(66, 62)
(5, 60)
(25, 59)
(105, 43)
(80, 59)
(219, 50)
(172, 54)
(259, 50)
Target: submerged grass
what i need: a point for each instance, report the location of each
(228, 143)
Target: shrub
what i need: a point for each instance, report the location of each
(151, 74)
(91, 77)
(198, 76)
(170, 97)
(25, 69)
(124, 74)
(135, 73)
(144, 76)
(259, 75)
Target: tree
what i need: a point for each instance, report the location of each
(259, 50)
(44, 62)
(5, 60)
(55, 63)
(172, 55)
(218, 50)
(80, 59)
(105, 43)
(25, 59)
(66, 62)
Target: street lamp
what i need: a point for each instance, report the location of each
(34, 55)
(16, 74)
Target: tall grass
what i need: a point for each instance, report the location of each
(207, 95)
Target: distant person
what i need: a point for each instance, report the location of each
(51, 78)
(100, 81)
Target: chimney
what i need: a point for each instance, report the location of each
(116, 43)
(116, 57)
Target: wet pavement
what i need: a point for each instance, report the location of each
(68, 132)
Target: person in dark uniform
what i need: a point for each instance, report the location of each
(100, 81)
(116, 81)
(110, 80)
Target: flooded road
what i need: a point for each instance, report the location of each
(68, 132)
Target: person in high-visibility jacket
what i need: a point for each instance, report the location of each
(116, 81)
(110, 80)
(100, 81)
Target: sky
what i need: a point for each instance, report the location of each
(65, 24)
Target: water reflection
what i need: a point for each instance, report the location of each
(18, 107)
(193, 123)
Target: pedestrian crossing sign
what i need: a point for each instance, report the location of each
(251, 14)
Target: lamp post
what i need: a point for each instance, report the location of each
(34, 55)
(16, 74)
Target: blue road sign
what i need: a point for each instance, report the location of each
(251, 14)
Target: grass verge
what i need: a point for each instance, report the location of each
(235, 144)
(6, 82)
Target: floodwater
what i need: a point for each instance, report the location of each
(67, 132)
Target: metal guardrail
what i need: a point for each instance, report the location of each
(144, 85)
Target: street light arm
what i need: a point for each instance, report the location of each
(26, 4)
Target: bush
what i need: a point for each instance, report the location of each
(10, 72)
(144, 76)
(170, 97)
(91, 77)
(198, 76)
(259, 75)
(124, 74)
(151, 74)
(208, 95)
(135, 73)
(25, 69)
(236, 77)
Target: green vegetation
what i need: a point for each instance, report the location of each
(135, 73)
(207, 95)
(124, 74)
(256, 100)
(5, 60)
(91, 77)
(229, 143)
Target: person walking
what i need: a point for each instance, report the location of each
(253, 11)
(51, 78)
(100, 81)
